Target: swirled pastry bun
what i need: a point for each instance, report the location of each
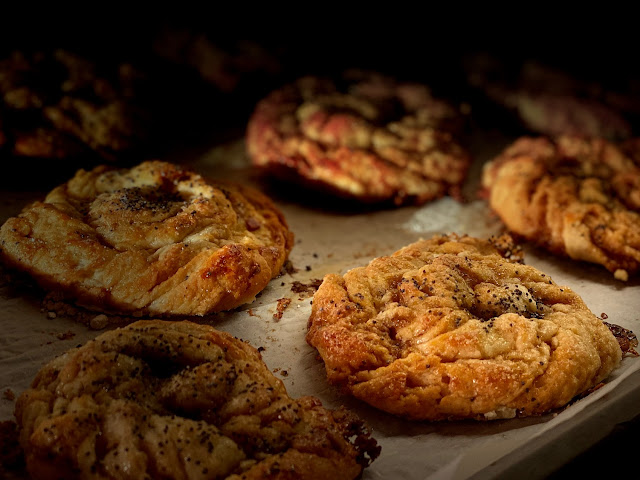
(164, 399)
(448, 328)
(156, 239)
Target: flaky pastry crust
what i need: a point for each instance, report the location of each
(156, 238)
(366, 137)
(159, 399)
(574, 196)
(447, 328)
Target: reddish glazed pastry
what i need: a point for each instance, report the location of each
(366, 137)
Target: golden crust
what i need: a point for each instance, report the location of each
(373, 140)
(447, 328)
(160, 399)
(155, 238)
(575, 197)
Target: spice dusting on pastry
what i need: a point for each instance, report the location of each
(160, 399)
(156, 239)
(447, 328)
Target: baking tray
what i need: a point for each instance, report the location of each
(333, 236)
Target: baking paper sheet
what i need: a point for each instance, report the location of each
(330, 240)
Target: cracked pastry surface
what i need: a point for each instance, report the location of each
(156, 238)
(574, 196)
(159, 399)
(448, 328)
(364, 136)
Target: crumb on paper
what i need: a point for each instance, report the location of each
(284, 373)
(99, 322)
(54, 305)
(283, 303)
(9, 394)
(252, 313)
(65, 335)
(311, 287)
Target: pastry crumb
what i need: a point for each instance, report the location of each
(9, 394)
(621, 275)
(283, 303)
(66, 335)
(99, 322)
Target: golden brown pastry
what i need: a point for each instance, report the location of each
(574, 196)
(156, 238)
(448, 328)
(160, 399)
(365, 136)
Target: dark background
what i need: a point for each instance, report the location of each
(417, 41)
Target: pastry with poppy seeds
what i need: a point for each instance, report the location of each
(448, 328)
(577, 197)
(164, 399)
(157, 238)
(364, 136)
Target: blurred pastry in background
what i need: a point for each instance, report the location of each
(548, 100)
(59, 105)
(226, 65)
(364, 136)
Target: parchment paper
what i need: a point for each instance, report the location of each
(329, 239)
